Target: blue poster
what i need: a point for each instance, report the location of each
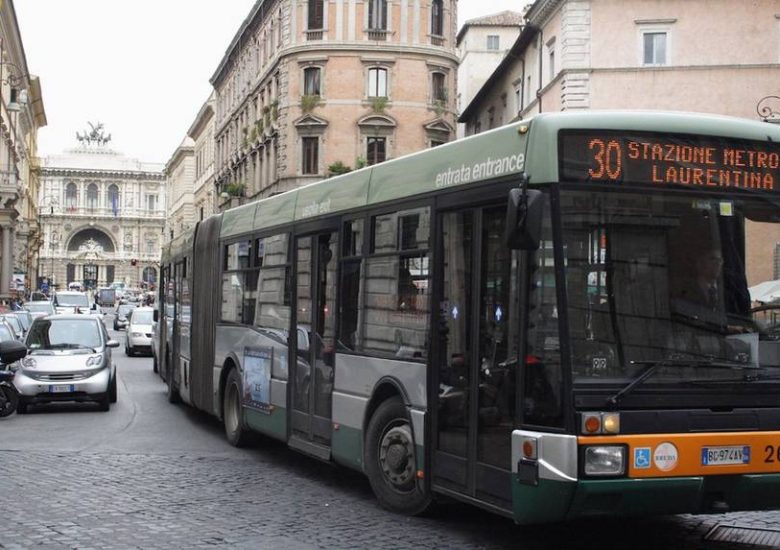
(257, 378)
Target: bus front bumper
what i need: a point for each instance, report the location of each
(553, 500)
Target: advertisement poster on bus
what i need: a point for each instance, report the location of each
(257, 378)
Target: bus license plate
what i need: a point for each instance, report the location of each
(717, 456)
(61, 389)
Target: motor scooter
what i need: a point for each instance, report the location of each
(9, 395)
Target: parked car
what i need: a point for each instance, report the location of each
(139, 331)
(40, 308)
(24, 317)
(6, 332)
(69, 359)
(16, 324)
(122, 313)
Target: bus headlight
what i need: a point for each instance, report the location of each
(605, 460)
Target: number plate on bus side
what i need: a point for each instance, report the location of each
(718, 456)
(61, 389)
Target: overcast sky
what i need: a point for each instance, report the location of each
(142, 68)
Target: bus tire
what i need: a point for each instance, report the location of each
(389, 458)
(232, 412)
(172, 392)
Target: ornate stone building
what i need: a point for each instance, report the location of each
(21, 115)
(102, 216)
(308, 88)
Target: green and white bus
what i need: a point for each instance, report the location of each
(549, 320)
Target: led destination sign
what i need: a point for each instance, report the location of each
(658, 159)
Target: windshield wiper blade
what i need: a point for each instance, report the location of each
(651, 366)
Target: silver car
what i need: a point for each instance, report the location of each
(69, 359)
(139, 331)
(40, 308)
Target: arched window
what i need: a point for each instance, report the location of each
(150, 275)
(437, 18)
(71, 196)
(112, 199)
(92, 196)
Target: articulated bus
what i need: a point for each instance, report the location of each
(549, 320)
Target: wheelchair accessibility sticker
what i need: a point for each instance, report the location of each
(642, 458)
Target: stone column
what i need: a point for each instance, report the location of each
(6, 262)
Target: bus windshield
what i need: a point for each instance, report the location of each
(660, 280)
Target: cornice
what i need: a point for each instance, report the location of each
(98, 174)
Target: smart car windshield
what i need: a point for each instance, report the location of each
(142, 317)
(55, 333)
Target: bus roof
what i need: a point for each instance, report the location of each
(493, 154)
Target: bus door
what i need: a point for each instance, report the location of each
(475, 357)
(313, 342)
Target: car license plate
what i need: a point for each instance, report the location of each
(61, 388)
(718, 456)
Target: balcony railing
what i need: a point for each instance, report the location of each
(86, 211)
(377, 34)
(314, 34)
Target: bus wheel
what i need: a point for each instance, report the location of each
(390, 460)
(172, 391)
(232, 412)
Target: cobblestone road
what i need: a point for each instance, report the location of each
(149, 475)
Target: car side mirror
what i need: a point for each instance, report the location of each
(12, 351)
(112, 344)
(156, 315)
(524, 219)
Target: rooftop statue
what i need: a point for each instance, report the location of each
(94, 136)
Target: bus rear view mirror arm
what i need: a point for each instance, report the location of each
(524, 219)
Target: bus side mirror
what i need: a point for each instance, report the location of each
(524, 219)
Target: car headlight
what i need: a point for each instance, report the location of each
(95, 361)
(605, 460)
(28, 363)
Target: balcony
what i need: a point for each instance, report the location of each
(314, 34)
(378, 35)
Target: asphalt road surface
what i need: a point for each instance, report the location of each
(148, 474)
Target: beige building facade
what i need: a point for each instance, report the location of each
(202, 134)
(482, 44)
(21, 115)
(102, 217)
(307, 89)
(179, 189)
(711, 56)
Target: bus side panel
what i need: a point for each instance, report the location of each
(356, 378)
(233, 342)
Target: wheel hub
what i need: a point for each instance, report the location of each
(396, 455)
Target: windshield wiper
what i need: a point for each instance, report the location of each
(652, 366)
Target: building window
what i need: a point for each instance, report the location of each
(377, 15)
(439, 86)
(71, 196)
(654, 48)
(149, 247)
(112, 199)
(92, 196)
(315, 14)
(310, 156)
(493, 42)
(436, 143)
(551, 58)
(376, 151)
(377, 82)
(437, 18)
(151, 202)
(311, 81)
(519, 96)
